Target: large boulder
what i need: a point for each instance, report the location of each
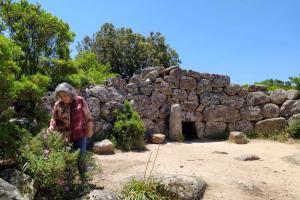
(150, 112)
(175, 127)
(184, 187)
(9, 192)
(101, 130)
(109, 110)
(146, 89)
(209, 98)
(238, 137)
(294, 117)
(188, 83)
(188, 116)
(251, 113)
(232, 89)
(296, 107)
(158, 99)
(256, 88)
(172, 81)
(204, 85)
(179, 94)
(293, 94)
(200, 129)
(243, 126)
(234, 101)
(94, 106)
(270, 110)
(285, 109)
(278, 96)
(220, 80)
(23, 182)
(151, 127)
(215, 130)
(162, 86)
(271, 125)
(132, 88)
(220, 113)
(256, 98)
(189, 105)
(105, 94)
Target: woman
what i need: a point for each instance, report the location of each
(72, 117)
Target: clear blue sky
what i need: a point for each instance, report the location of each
(249, 40)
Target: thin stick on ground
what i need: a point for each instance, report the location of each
(147, 166)
(154, 161)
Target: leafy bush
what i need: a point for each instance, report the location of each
(294, 128)
(128, 131)
(10, 137)
(146, 190)
(51, 163)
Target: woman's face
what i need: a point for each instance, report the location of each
(64, 97)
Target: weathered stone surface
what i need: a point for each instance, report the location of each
(234, 101)
(105, 94)
(215, 129)
(185, 187)
(243, 93)
(243, 126)
(271, 125)
(247, 157)
(175, 72)
(217, 90)
(250, 188)
(137, 79)
(146, 89)
(164, 112)
(293, 94)
(103, 147)
(200, 108)
(141, 101)
(9, 192)
(179, 94)
(175, 127)
(193, 74)
(100, 195)
(152, 75)
(96, 126)
(104, 129)
(256, 88)
(157, 138)
(151, 127)
(220, 113)
(162, 86)
(192, 96)
(207, 99)
(23, 182)
(270, 110)
(172, 81)
(204, 85)
(162, 125)
(294, 117)
(296, 107)
(147, 70)
(200, 128)
(285, 109)
(238, 137)
(188, 83)
(168, 70)
(94, 106)
(188, 116)
(189, 105)
(251, 113)
(118, 83)
(158, 99)
(132, 88)
(256, 98)
(278, 96)
(109, 110)
(220, 80)
(150, 112)
(232, 89)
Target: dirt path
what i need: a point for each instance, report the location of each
(268, 178)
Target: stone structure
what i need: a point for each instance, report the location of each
(207, 104)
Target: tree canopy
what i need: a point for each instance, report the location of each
(128, 52)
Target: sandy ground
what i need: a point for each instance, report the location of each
(267, 178)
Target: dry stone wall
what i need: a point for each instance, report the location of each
(165, 98)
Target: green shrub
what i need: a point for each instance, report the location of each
(294, 128)
(51, 163)
(10, 137)
(280, 136)
(146, 190)
(128, 131)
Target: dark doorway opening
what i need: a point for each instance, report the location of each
(189, 131)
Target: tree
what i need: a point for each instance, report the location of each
(127, 52)
(273, 84)
(295, 81)
(38, 33)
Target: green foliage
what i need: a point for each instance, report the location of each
(10, 137)
(273, 84)
(128, 131)
(38, 33)
(280, 136)
(294, 128)
(295, 81)
(127, 52)
(146, 190)
(51, 163)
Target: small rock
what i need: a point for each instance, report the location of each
(157, 138)
(220, 152)
(238, 137)
(100, 195)
(295, 159)
(247, 157)
(103, 147)
(249, 188)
